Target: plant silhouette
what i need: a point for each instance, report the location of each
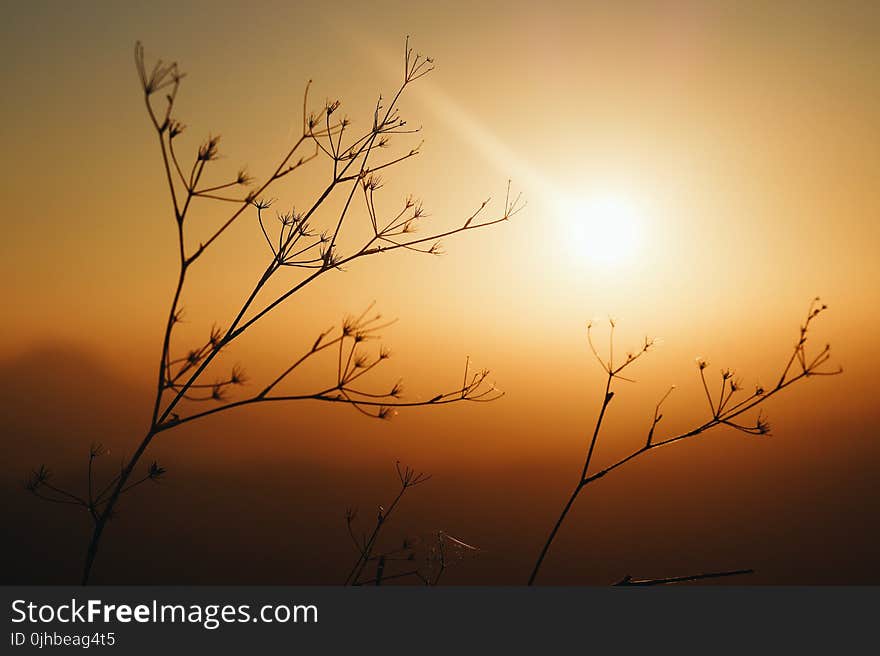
(428, 568)
(305, 244)
(298, 248)
(724, 411)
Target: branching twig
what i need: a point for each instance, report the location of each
(722, 413)
(408, 478)
(296, 246)
(442, 550)
(628, 580)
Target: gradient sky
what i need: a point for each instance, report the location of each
(746, 136)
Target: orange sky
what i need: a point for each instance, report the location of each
(747, 137)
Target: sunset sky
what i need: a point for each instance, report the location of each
(698, 171)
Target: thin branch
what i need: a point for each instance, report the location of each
(628, 580)
(720, 414)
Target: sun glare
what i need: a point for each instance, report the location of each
(602, 230)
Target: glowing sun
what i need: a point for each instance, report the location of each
(602, 230)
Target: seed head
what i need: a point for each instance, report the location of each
(218, 393)
(238, 376)
(156, 471)
(175, 128)
(208, 150)
(243, 178)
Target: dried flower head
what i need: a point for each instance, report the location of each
(208, 151)
(37, 478)
(243, 178)
(238, 376)
(156, 471)
(175, 127)
(161, 76)
(218, 392)
(263, 203)
(216, 336)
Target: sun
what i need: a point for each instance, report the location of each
(602, 230)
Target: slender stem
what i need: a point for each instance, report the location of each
(719, 416)
(380, 570)
(390, 577)
(628, 580)
(360, 150)
(107, 512)
(166, 344)
(605, 401)
(583, 479)
(91, 494)
(706, 388)
(553, 533)
(367, 552)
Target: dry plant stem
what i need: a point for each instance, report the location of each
(721, 412)
(350, 165)
(391, 577)
(367, 551)
(671, 580)
(408, 478)
(439, 558)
